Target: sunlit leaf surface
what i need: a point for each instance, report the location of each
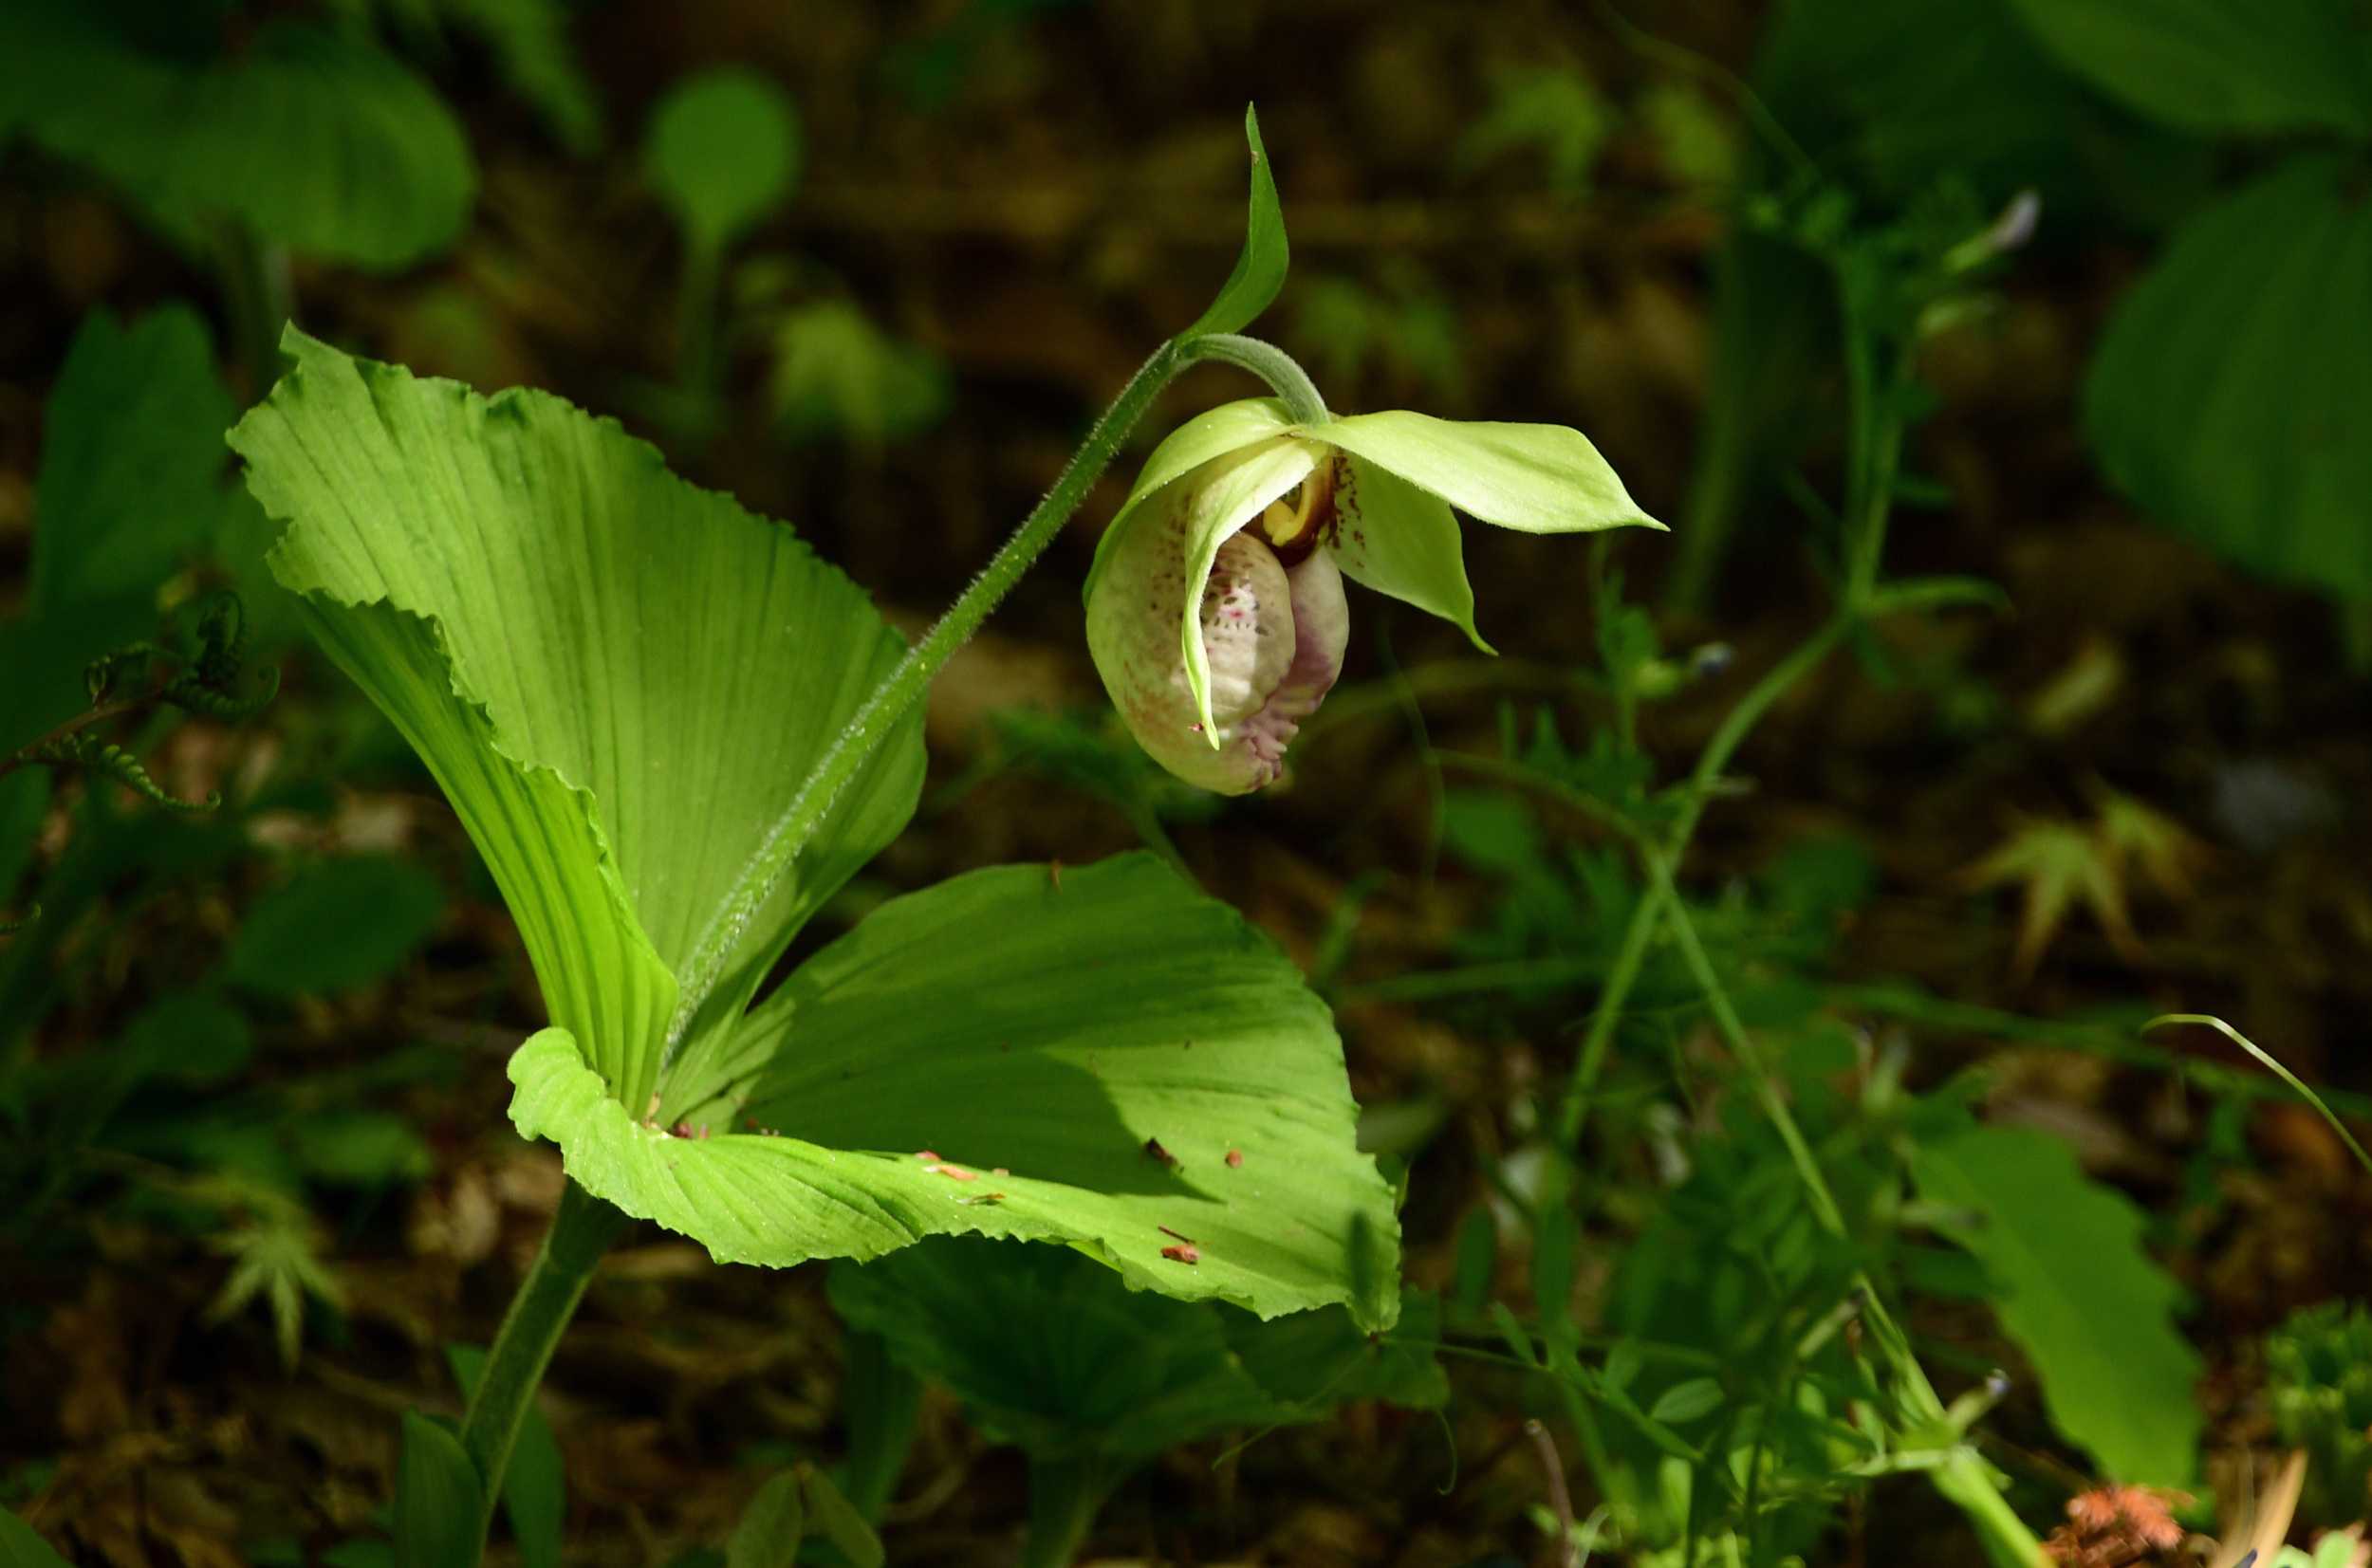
(1018, 1052)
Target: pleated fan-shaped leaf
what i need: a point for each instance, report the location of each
(617, 677)
(1016, 1054)
(621, 681)
(2232, 387)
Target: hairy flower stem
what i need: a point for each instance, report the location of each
(257, 299)
(581, 1230)
(696, 370)
(891, 701)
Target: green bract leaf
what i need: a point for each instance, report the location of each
(1017, 1054)
(1260, 265)
(132, 464)
(2079, 1295)
(723, 148)
(836, 1520)
(1684, 1402)
(771, 1527)
(2232, 390)
(314, 138)
(438, 1493)
(1535, 478)
(1052, 1352)
(1402, 541)
(614, 677)
(378, 909)
(2210, 65)
(535, 1488)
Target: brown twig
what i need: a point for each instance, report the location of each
(1560, 1500)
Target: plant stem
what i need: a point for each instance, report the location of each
(1738, 724)
(582, 1231)
(882, 1401)
(1065, 1498)
(1273, 366)
(696, 321)
(890, 702)
(1666, 892)
(256, 299)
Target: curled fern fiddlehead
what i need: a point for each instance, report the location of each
(96, 756)
(100, 674)
(198, 695)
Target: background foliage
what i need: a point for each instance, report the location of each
(871, 270)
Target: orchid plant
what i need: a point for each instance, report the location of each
(674, 733)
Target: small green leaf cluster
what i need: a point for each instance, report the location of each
(2318, 1379)
(155, 1112)
(2226, 356)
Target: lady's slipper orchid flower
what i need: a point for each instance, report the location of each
(1214, 608)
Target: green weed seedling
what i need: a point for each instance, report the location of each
(136, 512)
(2240, 333)
(673, 734)
(792, 1505)
(1052, 1352)
(134, 500)
(2317, 1373)
(722, 152)
(1754, 1369)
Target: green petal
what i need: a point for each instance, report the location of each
(1228, 493)
(614, 677)
(1228, 427)
(1053, 1028)
(1536, 478)
(1402, 541)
